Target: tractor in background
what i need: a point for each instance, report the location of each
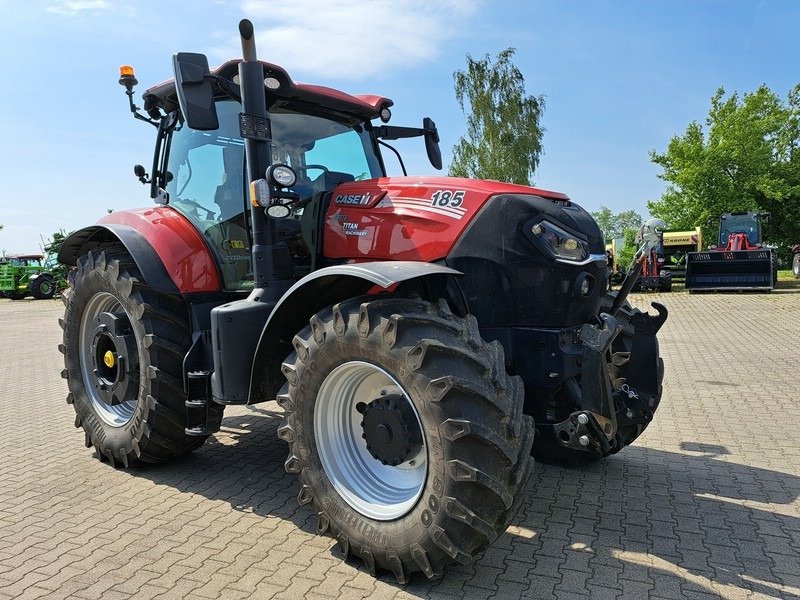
(739, 261)
(27, 275)
(796, 261)
(423, 335)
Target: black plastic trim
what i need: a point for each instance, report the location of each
(146, 258)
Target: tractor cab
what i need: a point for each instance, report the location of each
(317, 138)
(26, 260)
(746, 225)
(207, 181)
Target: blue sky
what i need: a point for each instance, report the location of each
(619, 78)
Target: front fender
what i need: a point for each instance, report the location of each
(311, 294)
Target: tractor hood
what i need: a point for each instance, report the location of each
(423, 188)
(421, 218)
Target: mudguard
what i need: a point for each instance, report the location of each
(305, 298)
(169, 252)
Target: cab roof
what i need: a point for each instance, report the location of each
(364, 107)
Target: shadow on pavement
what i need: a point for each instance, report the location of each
(646, 521)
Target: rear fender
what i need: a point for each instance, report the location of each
(311, 294)
(169, 252)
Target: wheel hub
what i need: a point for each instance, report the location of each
(391, 430)
(114, 359)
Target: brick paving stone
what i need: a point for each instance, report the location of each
(705, 505)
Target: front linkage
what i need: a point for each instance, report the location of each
(621, 372)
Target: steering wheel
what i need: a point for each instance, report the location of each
(322, 168)
(209, 213)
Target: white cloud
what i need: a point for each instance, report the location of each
(73, 7)
(351, 39)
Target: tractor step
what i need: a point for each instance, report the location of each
(203, 415)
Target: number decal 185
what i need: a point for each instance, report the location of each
(447, 198)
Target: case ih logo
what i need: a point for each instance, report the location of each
(354, 199)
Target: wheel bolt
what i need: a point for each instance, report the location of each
(583, 440)
(583, 420)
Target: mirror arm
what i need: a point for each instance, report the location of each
(233, 90)
(390, 132)
(135, 110)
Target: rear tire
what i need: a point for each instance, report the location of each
(131, 408)
(460, 484)
(43, 287)
(796, 266)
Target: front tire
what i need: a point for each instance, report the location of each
(445, 452)
(43, 287)
(123, 348)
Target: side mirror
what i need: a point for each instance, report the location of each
(195, 94)
(432, 143)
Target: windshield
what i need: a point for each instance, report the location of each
(747, 224)
(208, 178)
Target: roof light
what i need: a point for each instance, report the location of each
(385, 114)
(272, 83)
(127, 77)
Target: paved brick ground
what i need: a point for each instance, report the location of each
(704, 506)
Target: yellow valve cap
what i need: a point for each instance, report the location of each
(109, 359)
(126, 71)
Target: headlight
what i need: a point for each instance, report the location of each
(559, 243)
(282, 175)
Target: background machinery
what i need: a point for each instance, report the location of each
(423, 335)
(654, 277)
(677, 244)
(27, 275)
(739, 261)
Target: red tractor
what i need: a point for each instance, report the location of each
(422, 334)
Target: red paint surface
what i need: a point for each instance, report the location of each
(179, 245)
(404, 224)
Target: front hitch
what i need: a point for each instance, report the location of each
(620, 383)
(593, 428)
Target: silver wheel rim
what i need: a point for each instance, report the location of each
(115, 415)
(378, 491)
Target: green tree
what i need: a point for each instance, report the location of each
(615, 226)
(504, 137)
(621, 225)
(745, 159)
